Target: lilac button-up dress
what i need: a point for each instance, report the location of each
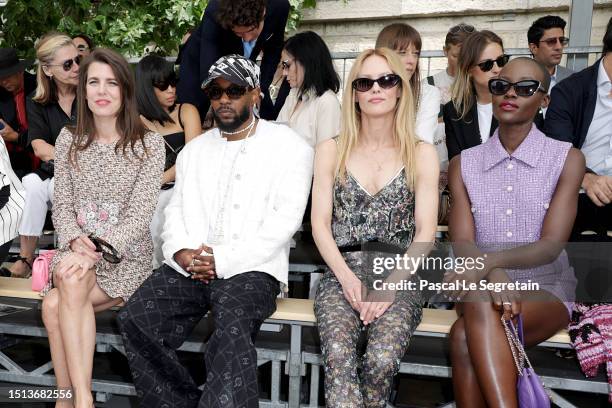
(510, 195)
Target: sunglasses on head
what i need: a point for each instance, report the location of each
(551, 42)
(526, 87)
(163, 85)
(385, 82)
(215, 92)
(109, 253)
(487, 65)
(462, 27)
(67, 65)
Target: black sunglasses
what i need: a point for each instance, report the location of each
(526, 87)
(163, 85)
(551, 42)
(67, 65)
(109, 253)
(215, 92)
(487, 65)
(385, 82)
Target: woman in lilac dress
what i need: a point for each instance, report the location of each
(514, 199)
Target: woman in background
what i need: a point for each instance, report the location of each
(51, 108)
(468, 117)
(406, 41)
(176, 123)
(312, 108)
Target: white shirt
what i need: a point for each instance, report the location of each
(443, 82)
(427, 115)
(317, 118)
(485, 117)
(271, 181)
(597, 146)
(224, 192)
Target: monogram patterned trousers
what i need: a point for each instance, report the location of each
(163, 312)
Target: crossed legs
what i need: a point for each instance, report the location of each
(68, 315)
(483, 370)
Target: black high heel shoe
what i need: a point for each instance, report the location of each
(8, 273)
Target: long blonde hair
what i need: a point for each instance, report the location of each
(463, 94)
(46, 47)
(403, 119)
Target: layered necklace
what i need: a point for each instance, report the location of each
(219, 233)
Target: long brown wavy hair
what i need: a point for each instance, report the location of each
(129, 126)
(463, 92)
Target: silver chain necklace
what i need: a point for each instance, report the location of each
(219, 232)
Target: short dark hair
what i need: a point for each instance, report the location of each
(85, 38)
(457, 34)
(607, 40)
(246, 13)
(312, 53)
(150, 70)
(536, 31)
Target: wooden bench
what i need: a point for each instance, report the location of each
(298, 314)
(300, 310)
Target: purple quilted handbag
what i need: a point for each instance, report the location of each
(530, 390)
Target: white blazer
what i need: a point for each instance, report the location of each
(269, 195)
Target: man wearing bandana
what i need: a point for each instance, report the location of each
(240, 194)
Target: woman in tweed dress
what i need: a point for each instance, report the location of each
(514, 204)
(107, 174)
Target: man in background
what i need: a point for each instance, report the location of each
(15, 85)
(243, 27)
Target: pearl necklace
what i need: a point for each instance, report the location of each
(248, 128)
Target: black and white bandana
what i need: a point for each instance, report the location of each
(236, 69)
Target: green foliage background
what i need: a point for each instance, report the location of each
(125, 25)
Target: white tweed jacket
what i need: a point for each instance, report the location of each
(271, 183)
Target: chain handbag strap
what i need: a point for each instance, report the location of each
(516, 346)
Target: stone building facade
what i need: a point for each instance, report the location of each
(352, 25)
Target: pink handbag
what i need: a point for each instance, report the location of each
(40, 270)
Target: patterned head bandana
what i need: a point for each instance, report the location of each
(236, 69)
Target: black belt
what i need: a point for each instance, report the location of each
(372, 246)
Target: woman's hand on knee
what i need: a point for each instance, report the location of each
(72, 264)
(351, 288)
(371, 311)
(506, 301)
